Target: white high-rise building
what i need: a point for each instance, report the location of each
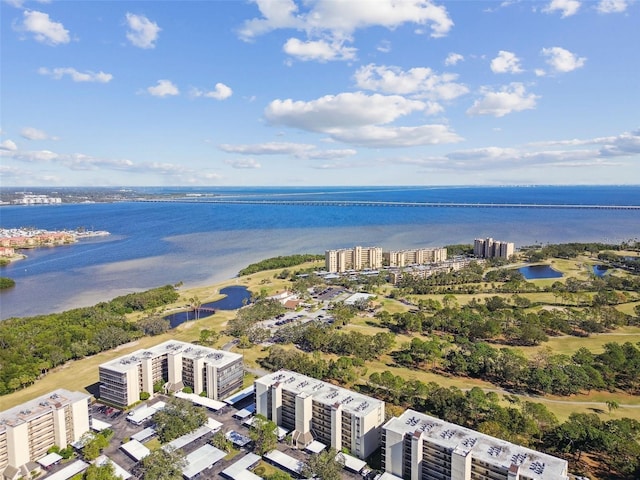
(179, 364)
(420, 256)
(490, 248)
(356, 258)
(416, 446)
(315, 410)
(29, 430)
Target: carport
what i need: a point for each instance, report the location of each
(200, 460)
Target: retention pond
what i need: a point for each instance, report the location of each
(235, 297)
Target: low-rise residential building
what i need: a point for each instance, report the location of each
(356, 258)
(490, 248)
(315, 410)
(29, 430)
(28, 238)
(175, 364)
(416, 446)
(30, 199)
(425, 271)
(419, 256)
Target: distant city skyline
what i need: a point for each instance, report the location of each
(319, 92)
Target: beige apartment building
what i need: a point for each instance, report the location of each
(416, 446)
(490, 248)
(315, 410)
(425, 271)
(177, 365)
(356, 258)
(29, 430)
(420, 256)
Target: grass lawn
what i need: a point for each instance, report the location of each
(628, 308)
(265, 469)
(568, 345)
(248, 379)
(251, 355)
(393, 306)
(153, 444)
(233, 452)
(565, 408)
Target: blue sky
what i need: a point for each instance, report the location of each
(319, 92)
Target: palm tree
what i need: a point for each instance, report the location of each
(195, 304)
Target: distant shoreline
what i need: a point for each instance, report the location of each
(14, 239)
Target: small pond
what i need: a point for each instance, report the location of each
(600, 270)
(535, 272)
(235, 298)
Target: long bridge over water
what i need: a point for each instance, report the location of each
(357, 203)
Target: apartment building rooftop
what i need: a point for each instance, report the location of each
(188, 350)
(27, 411)
(533, 464)
(323, 392)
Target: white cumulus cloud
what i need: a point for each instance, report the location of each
(339, 111)
(142, 32)
(44, 29)
(319, 50)
(75, 75)
(562, 60)
(31, 133)
(340, 18)
(329, 25)
(8, 145)
(453, 58)
(506, 62)
(567, 7)
(358, 119)
(220, 92)
(624, 144)
(561, 153)
(612, 6)
(416, 81)
(375, 136)
(510, 98)
(164, 88)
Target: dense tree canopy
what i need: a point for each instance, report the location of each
(163, 464)
(30, 346)
(105, 471)
(324, 465)
(280, 262)
(264, 434)
(178, 418)
(96, 443)
(244, 324)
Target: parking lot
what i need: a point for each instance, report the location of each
(124, 429)
(305, 315)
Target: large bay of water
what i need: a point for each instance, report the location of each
(153, 244)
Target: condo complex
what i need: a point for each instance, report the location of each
(317, 415)
(490, 248)
(176, 365)
(315, 410)
(416, 446)
(419, 256)
(356, 258)
(29, 430)
(419, 262)
(363, 258)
